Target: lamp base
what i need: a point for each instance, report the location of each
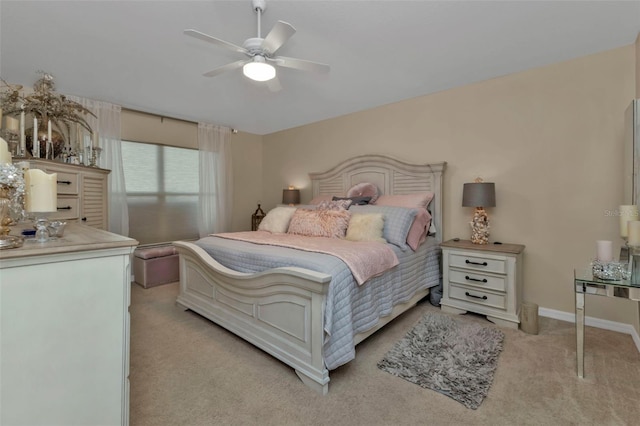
(480, 227)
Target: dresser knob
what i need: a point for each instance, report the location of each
(468, 278)
(468, 262)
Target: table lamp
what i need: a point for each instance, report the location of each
(291, 196)
(40, 199)
(479, 195)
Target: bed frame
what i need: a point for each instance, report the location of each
(281, 310)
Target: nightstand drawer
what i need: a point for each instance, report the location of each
(68, 208)
(478, 297)
(498, 283)
(480, 263)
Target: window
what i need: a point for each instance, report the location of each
(162, 191)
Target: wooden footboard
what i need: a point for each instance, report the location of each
(281, 311)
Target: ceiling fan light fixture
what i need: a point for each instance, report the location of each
(259, 70)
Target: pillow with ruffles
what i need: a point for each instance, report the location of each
(320, 223)
(277, 220)
(366, 227)
(334, 205)
(397, 222)
(364, 189)
(419, 229)
(419, 199)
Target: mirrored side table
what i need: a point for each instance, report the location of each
(586, 283)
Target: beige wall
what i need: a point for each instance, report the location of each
(550, 138)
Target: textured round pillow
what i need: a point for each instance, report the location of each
(364, 189)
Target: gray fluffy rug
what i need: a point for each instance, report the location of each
(449, 356)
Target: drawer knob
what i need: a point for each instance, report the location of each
(466, 293)
(469, 262)
(468, 278)
(64, 182)
(64, 208)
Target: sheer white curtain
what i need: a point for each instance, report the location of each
(107, 124)
(215, 203)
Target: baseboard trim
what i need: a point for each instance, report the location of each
(593, 322)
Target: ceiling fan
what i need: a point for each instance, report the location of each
(260, 51)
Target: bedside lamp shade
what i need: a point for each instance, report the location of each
(290, 196)
(479, 194)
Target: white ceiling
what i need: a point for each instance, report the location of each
(134, 53)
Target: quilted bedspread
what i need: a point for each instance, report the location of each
(350, 308)
(364, 259)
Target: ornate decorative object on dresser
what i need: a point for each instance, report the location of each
(485, 279)
(82, 192)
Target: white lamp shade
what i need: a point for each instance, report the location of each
(259, 70)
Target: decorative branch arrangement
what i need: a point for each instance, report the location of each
(44, 104)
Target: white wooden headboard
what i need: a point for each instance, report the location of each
(392, 176)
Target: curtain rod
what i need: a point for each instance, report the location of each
(162, 117)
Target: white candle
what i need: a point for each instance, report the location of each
(5, 155)
(23, 148)
(627, 213)
(49, 130)
(604, 251)
(35, 150)
(41, 191)
(0, 118)
(96, 140)
(11, 124)
(633, 233)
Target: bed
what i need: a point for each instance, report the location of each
(302, 307)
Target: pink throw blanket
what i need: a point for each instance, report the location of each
(364, 259)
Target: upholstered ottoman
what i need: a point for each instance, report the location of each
(154, 266)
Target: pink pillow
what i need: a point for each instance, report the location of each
(419, 199)
(364, 189)
(320, 223)
(419, 229)
(321, 198)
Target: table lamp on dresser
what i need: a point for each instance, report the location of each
(479, 194)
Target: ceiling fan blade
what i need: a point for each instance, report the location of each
(279, 34)
(225, 68)
(274, 84)
(301, 64)
(202, 36)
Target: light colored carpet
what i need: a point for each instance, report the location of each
(187, 371)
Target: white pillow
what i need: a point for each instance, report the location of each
(277, 220)
(366, 227)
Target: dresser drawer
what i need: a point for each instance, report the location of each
(498, 283)
(478, 297)
(68, 208)
(67, 183)
(479, 263)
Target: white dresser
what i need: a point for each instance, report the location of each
(64, 312)
(485, 279)
(82, 192)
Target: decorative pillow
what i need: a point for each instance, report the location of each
(277, 220)
(321, 198)
(320, 223)
(397, 221)
(355, 201)
(366, 227)
(364, 189)
(418, 231)
(334, 205)
(419, 199)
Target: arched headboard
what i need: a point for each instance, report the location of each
(392, 176)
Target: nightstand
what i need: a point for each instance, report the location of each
(485, 279)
